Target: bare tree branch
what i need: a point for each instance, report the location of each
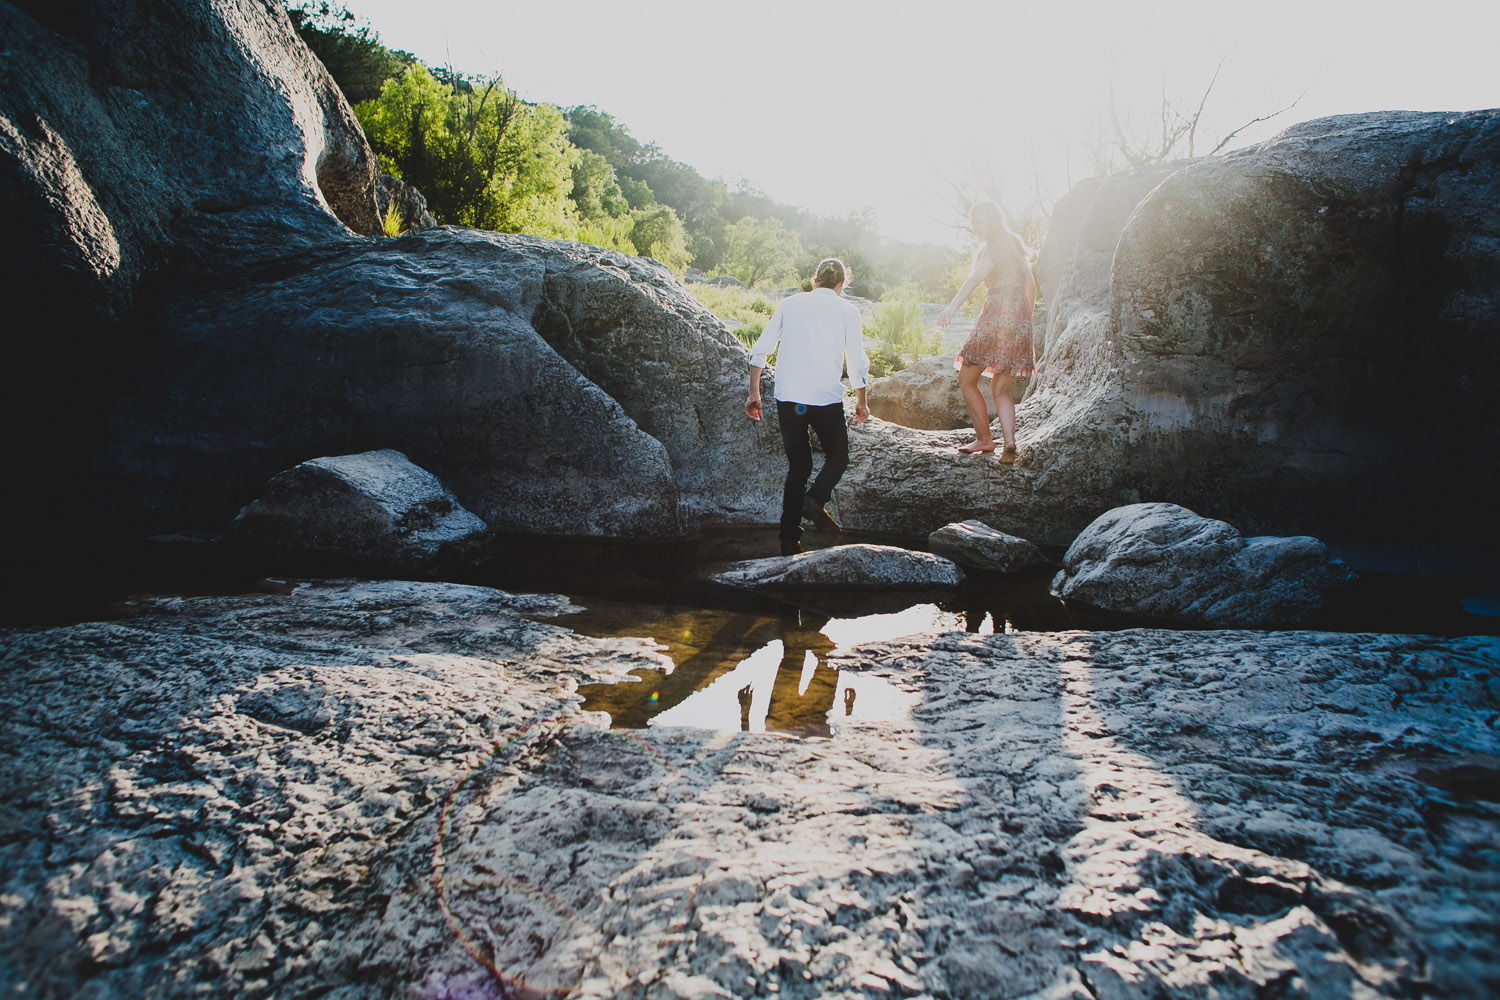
(1263, 118)
(1192, 132)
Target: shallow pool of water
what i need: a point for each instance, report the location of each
(744, 661)
(754, 671)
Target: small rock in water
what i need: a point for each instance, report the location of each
(978, 546)
(860, 565)
(1483, 604)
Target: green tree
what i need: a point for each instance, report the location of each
(658, 233)
(351, 51)
(596, 190)
(757, 250)
(481, 156)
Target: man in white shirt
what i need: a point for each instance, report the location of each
(816, 331)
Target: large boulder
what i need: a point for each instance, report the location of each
(1236, 334)
(1162, 561)
(376, 510)
(134, 131)
(138, 138)
(556, 388)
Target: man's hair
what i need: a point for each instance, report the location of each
(831, 273)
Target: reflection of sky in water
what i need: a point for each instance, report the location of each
(858, 697)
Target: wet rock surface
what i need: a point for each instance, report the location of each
(386, 789)
(1162, 561)
(976, 545)
(853, 566)
(375, 509)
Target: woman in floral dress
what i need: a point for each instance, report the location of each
(1000, 342)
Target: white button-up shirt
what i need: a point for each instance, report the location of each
(817, 330)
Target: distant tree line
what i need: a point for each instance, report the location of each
(486, 159)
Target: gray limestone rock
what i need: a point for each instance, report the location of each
(1225, 333)
(853, 566)
(976, 545)
(392, 193)
(133, 130)
(1163, 561)
(376, 509)
(555, 388)
(369, 790)
(925, 395)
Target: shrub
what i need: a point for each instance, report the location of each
(899, 332)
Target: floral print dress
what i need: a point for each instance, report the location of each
(1001, 339)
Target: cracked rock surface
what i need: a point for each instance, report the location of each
(387, 790)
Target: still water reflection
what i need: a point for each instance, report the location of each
(755, 671)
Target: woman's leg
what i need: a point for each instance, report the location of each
(1005, 408)
(979, 415)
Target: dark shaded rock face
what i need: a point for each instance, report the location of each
(375, 510)
(132, 130)
(1239, 335)
(555, 388)
(138, 140)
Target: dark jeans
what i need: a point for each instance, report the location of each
(828, 423)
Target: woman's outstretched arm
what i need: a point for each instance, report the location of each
(982, 265)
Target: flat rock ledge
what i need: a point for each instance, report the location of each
(976, 545)
(844, 566)
(387, 790)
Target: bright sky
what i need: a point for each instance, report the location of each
(842, 106)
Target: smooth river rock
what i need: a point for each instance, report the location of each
(1159, 560)
(853, 566)
(388, 789)
(376, 510)
(976, 545)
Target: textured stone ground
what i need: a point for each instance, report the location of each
(387, 790)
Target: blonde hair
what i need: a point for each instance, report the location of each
(831, 273)
(987, 221)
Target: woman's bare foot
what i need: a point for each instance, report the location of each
(1008, 455)
(976, 448)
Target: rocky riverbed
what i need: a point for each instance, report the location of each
(389, 789)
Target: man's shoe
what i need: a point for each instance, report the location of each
(813, 509)
(790, 548)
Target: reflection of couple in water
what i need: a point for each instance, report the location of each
(817, 333)
(797, 707)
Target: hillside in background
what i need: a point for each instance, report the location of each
(486, 159)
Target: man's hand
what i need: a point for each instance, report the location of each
(861, 413)
(752, 407)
